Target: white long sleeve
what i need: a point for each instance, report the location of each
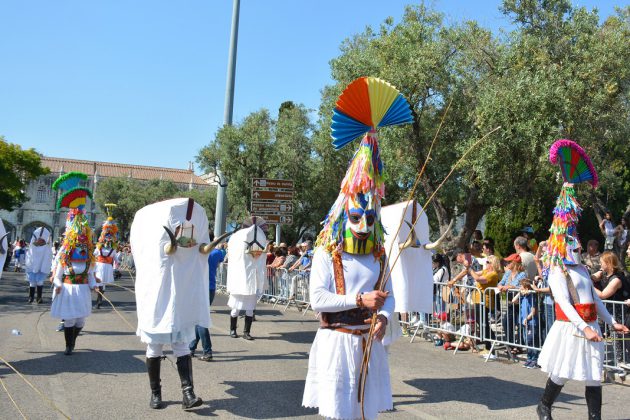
(602, 311)
(360, 273)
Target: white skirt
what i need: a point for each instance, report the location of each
(566, 356)
(243, 302)
(74, 301)
(104, 272)
(334, 366)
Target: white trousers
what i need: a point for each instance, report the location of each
(156, 350)
(561, 381)
(74, 322)
(248, 312)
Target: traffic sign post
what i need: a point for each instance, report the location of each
(272, 199)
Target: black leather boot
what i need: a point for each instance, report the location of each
(68, 333)
(40, 289)
(593, 396)
(31, 294)
(248, 328)
(184, 368)
(75, 334)
(233, 321)
(99, 298)
(153, 368)
(552, 390)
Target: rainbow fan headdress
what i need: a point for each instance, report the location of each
(576, 168)
(365, 105)
(78, 231)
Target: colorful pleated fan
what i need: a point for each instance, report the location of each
(74, 196)
(366, 104)
(574, 163)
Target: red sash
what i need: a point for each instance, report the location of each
(587, 311)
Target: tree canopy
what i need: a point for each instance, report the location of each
(18, 167)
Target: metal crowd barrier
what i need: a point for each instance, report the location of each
(494, 317)
(281, 287)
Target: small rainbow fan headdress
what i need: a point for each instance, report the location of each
(109, 232)
(78, 233)
(365, 105)
(576, 167)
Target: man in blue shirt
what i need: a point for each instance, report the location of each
(215, 258)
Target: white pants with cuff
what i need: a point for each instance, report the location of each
(156, 350)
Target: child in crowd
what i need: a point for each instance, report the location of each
(529, 321)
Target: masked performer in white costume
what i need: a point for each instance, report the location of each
(105, 255)
(170, 246)
(74, 273)
(573, 348)
(246, 272)
(38, 262)
(349, 263)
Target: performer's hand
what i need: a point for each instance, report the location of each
(374, 300)
(591, 335)
(621, 328)
(58, 290)
(380, 328)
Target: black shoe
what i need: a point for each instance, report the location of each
(153, 368)
(593, 396)
(68, 333)
(75, 334)
(39, 295)
(233, 321)
(31, 294)
(248, 328)
(184, 368)
(552, 390)
(206, 357)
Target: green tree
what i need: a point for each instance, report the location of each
(18, 167)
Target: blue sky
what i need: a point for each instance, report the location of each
(143, 81)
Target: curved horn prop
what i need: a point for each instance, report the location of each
(412, 239)
(205, 249)
(2, 250)
(171, 247)
(437, 243)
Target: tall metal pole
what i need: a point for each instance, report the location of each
(221, 206)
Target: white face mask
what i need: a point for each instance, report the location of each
(573, 251)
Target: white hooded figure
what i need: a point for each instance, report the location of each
(412, 273)
(38, 262)
(169, 242)
(246, 272)
(4, 246)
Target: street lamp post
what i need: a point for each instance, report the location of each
(221, 206)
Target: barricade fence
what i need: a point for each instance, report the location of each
(509, 320)
(281, 287)
(501, 320)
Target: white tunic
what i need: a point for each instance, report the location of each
(565, 353)
(39, 258)
(171, 290)
(246, 274)
(104, 271)
(335, 357)
(75, 300)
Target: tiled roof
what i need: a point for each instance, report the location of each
(107, 169)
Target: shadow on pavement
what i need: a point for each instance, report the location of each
(260, 400)
(81, 361)
(297, 337)
(496, 394)
(297, 355)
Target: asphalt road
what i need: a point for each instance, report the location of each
(261, 379)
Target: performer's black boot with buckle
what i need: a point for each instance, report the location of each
(153, 368)
(31, 294)
(552, 390)
(39, 294)
(593, 396)
(247, 328)
(233, 321)
(68, 333)
(184, 367)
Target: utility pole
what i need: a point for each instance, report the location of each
(221, 206)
